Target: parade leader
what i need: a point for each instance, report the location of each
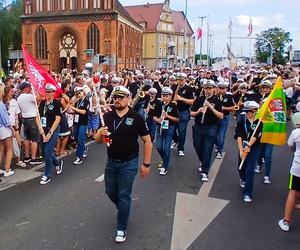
(122, 128)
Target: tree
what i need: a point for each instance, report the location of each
(279, 39)
(10, 27)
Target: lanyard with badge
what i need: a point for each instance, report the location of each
(76, 117)
(245, 142)
(44, 118)
(165, 123)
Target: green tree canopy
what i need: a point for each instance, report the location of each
(279, 39)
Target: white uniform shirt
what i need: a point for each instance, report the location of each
(27, 105)
(294, 141)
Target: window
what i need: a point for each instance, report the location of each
(165, 38)
(84, 4)
(73, 4)
(50, 5)
(164, 26)
(165, 51)
(160, 51)
(41, 43)
(27, 7)
(160, 38)
(61, 4)
(97, 4)
(121, 44)
(93, 38)
(39, 5)
(107, 4)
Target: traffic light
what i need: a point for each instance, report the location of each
(102, 59)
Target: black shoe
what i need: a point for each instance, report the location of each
(85, 153)
(36, 162)
(59, 168)
(27, 159)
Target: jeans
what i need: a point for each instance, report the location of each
(152, 127)
(80, 135)
(48, 152)
(222, 128)
(119, 178)
(203, 141)
(266, 153)
(163, 143)
(247, 171)
(184, 117)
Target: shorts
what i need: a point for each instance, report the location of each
(31, 130)
(5, 133)
(294, 183)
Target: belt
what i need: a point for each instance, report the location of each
(28, 118)
(129, 158)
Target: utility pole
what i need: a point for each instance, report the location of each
(185, 29)
(230, 41)
(207, 52)
(201, 17)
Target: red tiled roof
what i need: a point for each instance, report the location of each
(149, 13)
(120, 9)
(179, 23)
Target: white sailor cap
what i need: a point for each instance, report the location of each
(166, 91)
(209, 83)
(266, 83)
(250, 105)
(181, 75)
(243, 86)
(120, 91)
(222, 84)
(152, 91)
(50, 87)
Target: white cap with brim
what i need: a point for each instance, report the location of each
(296, 119)
(152, 91)
(120, 91)
(266, 83)
(223, 84)
(250, 105)
(166, 91)
(182, 76)
(243, 85)
(50, 87)
(209, 83)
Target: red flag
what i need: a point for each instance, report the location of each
(250, 27)
(39, 77)
(199, 33)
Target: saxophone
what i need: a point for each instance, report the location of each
(139, 95)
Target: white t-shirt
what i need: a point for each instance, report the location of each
(13, 111)
(27, 105)
(294, 141)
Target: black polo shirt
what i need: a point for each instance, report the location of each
(152, 105)
(245, 129)
(124, 133)
(156, 85)
(171, 109)
(209, 118)
(227, 102)
(187, 93)
(49, 111)
(80, 119)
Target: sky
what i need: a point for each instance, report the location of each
(265, 14)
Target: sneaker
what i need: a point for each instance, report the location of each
(174, 145)
(242, 183)
(9, 173)
(85, 153)
(2, 171)
(267, 180)
(36, 161)
(163, 171)
(120, 237)
(59, 168)
(27, 159)
(216, 150)
(77, 161)
(45, 180)
(284, 225)
(181, 153)
(200, 167)
(219, 155)
(258, 169)
(247, 198)
(204, 178)
(159, 166)
(263, 160)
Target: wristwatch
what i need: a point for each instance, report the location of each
(146, 165)
(50, 132)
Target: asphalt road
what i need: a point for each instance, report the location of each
(73, 212)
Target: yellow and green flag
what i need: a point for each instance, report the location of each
(273, 115)
(2, 74)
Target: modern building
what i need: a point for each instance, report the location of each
(163, 38)
(69, 33)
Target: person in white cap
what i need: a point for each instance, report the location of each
(166, 116)
(123, 127)
(239, 99)
(50, 118)
(294, 181)
(207, 110)
(249, 147)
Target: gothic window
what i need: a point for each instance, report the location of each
(28, 7)
(73, 4)
(93, 38)
(61, 4)
(97, 4)
(41, 43)
(50, 5)
(107, 4)
(84, 4)
(120, 44)
(39, 5)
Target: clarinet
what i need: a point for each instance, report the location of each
(204, 112)
(163, 117)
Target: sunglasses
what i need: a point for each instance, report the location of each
(251, 111)
(118, 97)
(48, 92)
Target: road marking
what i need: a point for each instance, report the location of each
(193, 213)
(100, 178)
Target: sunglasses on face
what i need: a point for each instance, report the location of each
(251, 111)
(48, 92)
(208, 88)
(118, 97)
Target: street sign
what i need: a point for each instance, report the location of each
(88, 51)
(15, 54)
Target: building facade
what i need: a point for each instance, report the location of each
(168, 37)
(69, 33)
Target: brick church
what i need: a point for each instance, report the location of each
(69, 33)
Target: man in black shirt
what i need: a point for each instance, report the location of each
(123, 126)
(207, 111)
(184, 98)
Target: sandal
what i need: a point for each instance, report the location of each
(21, 164)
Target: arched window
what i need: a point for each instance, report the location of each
(93, 38)
(41, 43)
(120, 44)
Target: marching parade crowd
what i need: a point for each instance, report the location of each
(118, 107)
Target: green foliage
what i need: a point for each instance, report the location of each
(279, 39)
(10, 27)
